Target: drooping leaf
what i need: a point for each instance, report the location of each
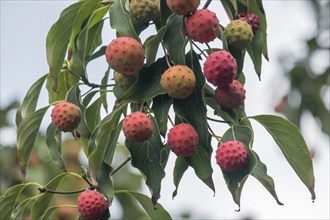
(53, 141)
(103, 90)
(201, 163)
(27, 134)
(105, 185)
(40, 206)
(121, 20)
(160, 107)
(93, 114)
(65, 81)
(10, 199)
(175, 39)
(151, 46)
(103, 139)
(29, 103)
(147, 85)
(255, 51)
(154, 211)
(179, 169)
(236, 180)
(260, 173)
(293, 146)
(58, 39)
(147, 157)
(19, 210)
(53, 209)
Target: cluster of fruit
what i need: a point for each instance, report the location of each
(126, 55)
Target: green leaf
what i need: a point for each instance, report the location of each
(147, 157)
(121, 21)
(257, 8)
(103, 91)
(52, 209)
(40, 206)
(93, 114)
(10, 199)
(236, 180)
(151, 46)
(57, 41)
(201, 163)
(103, 139)
(255, 51)
(105, 185)
(65, 81)
(160, 106)
(179, 169)
(29, 103)
(293, 146)
(175, 39)
(147, 86)
(260, 173)
(154, 211)
(53, 141)
(27, 134)
(229, 8)
(19, 210)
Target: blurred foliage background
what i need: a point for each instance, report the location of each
(309, 75)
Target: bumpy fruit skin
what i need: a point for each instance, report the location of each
(178, 81)
(92, 204)
(220, 68)
(125, 55)
(182, 139)
(124, 81)
(231, 156)
(137, 127)
(231, 96)
(144, 10)
(183, 7)
(202, 26)
(251, 19)
(66, 116)
(239, 34)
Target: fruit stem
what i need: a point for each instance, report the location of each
(216, 120)
(213, 134)
(84, 176)
(166, 57)
(43, 190)
(87, 83)
(170, 119)
(207, 3)
(202, 52)
(247, 6)
(121, 165)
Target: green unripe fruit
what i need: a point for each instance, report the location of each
(124, 81)
(239, 34)
(144, 10)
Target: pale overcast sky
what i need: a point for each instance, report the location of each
(24, 26)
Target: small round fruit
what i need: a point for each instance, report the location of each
(182, 139)
(231, 156)
(137, 127)
(66, 116)
(125, 55)
(92, 204)
(239, 34)
(124, 81)
(251, 19)
(178, 81)
(202, 26)
(231, 96)
(220, 68)
(183, 7)
(144, 10)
